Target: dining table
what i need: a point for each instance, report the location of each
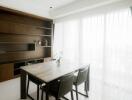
(46, 72)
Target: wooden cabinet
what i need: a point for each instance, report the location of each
(6, 71)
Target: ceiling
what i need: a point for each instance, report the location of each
(60, 8)
(54, 3)
(36, 7)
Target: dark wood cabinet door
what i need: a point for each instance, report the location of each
(6, 71)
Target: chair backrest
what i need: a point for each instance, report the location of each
(66, 83)
(82, 75)
(88, 78)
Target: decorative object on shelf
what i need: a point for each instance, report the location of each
(45, 42)
(41, 43)
(35, 42)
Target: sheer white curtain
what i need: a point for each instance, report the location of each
(104, 41)
(66, 40)
(118, 56)
(92, 51)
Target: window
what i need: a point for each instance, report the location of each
(104, 41)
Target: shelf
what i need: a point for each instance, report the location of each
(46, 46)
(38, 27)
(6, 47)
(44, 28)
(24, 34)
(47, 35)
(15, 43)
(3, 52)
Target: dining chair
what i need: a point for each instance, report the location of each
(59, 87)
(82, 77)
(35, 81)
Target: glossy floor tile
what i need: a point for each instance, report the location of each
(10, 90)
(99, 90)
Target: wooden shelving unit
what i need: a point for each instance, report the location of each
(23, 39)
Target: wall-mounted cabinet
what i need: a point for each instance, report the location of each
(22, 39)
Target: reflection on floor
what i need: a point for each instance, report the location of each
(10, 90)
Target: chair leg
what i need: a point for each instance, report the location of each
(37, 92)
(28, 90)
(57, 98)
(64, 98)
(76, 92)
(86, 88)
(47, 97)
(72, 98)
(42, 95)
(27, 86)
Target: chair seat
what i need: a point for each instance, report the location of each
(35, 80)
(82, 77)
(59, 87)
(75, 80)
(52, 87)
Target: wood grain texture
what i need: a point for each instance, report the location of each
(20, 34)
(6, 71)
(51, 70)
(22, 30)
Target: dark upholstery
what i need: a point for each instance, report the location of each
(82, 77)
(34, 80)
(60, 87)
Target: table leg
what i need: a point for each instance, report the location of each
(47, 97)
(23, 85)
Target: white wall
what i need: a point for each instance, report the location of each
(28, 6)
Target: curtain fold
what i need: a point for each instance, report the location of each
(105, 42)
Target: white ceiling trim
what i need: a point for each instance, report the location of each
(97, 11)
(80, 6)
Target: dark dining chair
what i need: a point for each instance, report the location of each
(59, 87)
(35, 81)
(82, 77)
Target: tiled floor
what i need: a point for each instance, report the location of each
(99, 90)
(10, 90)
